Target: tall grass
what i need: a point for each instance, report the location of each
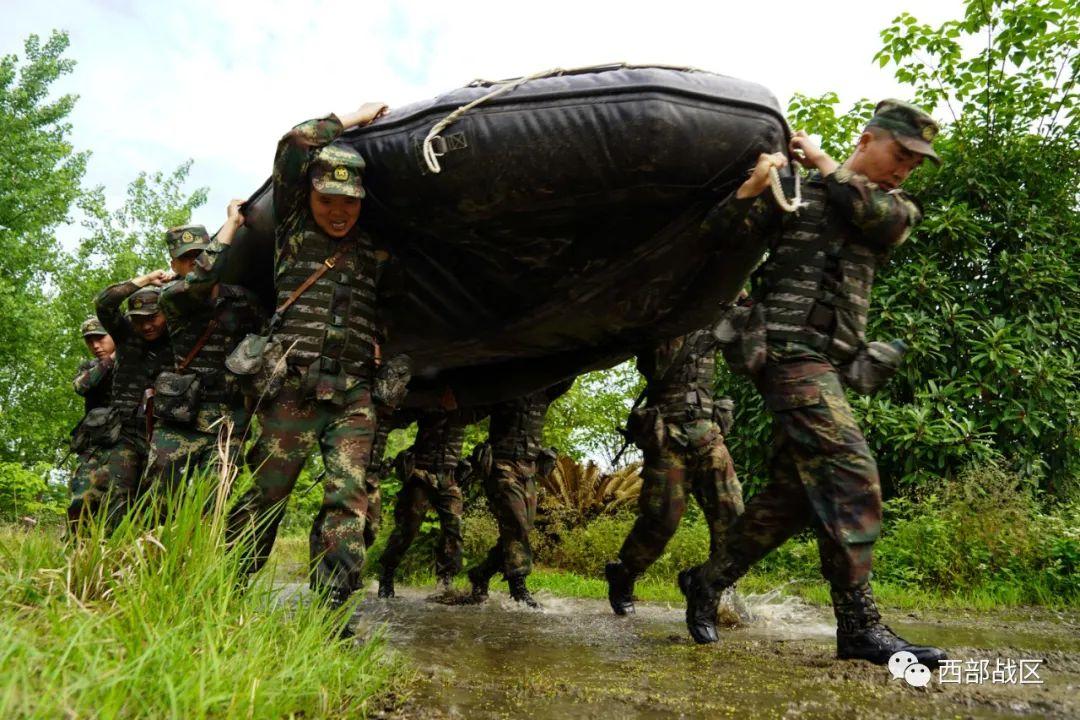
(150, 621)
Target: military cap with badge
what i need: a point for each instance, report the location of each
(185, 238)
(92, 327)
(144, 301)
(338, 170)
(910, 125)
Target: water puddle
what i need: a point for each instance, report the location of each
(575, 659)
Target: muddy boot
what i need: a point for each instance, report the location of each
(334, 599)
(520, 593)
(860, 634)
(479, 580)
(702, 602)
(386, 584)
(444, 584)
(620, 588)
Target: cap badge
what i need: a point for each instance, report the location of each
(341, 173)
(928, 133)
(187, 236)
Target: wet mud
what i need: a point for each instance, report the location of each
(575, 659)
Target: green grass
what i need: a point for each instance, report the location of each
(151, 623)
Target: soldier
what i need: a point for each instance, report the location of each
(811, 304)
(197, 400)
(515, 435)
(142, 348)
(683, 444)
(428, 478)
(94, 383)
(326, 277)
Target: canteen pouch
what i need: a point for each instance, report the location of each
(873, 365)
(392, 380)
(100, 428)
(724, 414)
(258, 362)
(742, 339)
(645, 428)
(176, 397)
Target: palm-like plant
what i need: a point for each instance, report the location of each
(578, 493)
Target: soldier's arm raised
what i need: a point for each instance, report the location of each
(198, 289)
(90, 375)
(884, 217)
(107, 303)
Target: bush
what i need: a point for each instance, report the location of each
(28, 493)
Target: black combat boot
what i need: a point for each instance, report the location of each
(520, 593)
(334, 599)
(479, 579)
(702, 602)
(620, 588)
(386, 584)
(860, 634)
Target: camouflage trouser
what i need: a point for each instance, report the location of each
(671, 471)
(442, 493)
(821, 475)
(109, 477)
(177, 451)
(511, 496)
(291, 426)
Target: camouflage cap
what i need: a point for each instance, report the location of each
(185, 238)
(910, 125)
(92, 326)
(338, 170)
(144, 301)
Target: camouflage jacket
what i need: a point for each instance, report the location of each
(190, 304)
(138, 362)
(93, 382)
(815, 284)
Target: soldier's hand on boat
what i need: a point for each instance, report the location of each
(759, 176)
(364, 115)
(233, 214)
(809, 154)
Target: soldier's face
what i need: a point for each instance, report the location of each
(883, 160)
(334, 214)
(100, 346)
(149, 327)
(185, 263)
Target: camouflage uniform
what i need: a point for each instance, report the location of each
(815, 291)
(686, 453)
(190, 305)
(329, 334)
(515, 434)
(430, 481)
(94, 383)
(119, 469)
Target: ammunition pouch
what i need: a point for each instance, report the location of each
(176, 397)
(100, 428)
(724, 414)
(873, 365)
(259, 364)
(392, 380)
(645, 428)
(545, 462)
(742, 338)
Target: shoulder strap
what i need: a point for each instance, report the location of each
(210, 327)
(314, 277)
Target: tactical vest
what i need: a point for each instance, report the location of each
(137, 366)
(684, 392)
(100, 395)
(334, 320)
(438, 445)
(816, 283)
(516, 428)
(236, 317)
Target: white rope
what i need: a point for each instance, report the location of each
(431, 157)
(786, 205)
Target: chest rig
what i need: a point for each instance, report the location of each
(438, 444)
(681, 381)
(516, 428)
(333, 322)
(234, 316)
(137, 366)
(816, 283)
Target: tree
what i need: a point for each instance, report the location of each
(584, 422)
(987, 291)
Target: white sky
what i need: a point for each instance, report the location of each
(161, 81)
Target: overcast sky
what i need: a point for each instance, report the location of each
(219, 81)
